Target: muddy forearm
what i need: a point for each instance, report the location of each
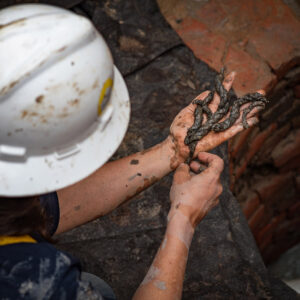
(164, 279)
(113, 184)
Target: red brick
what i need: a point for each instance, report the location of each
(289, 227)
(248, 13)
(232, 142)
(240, 169)
(240, 16)
(173, 11)
(263, 155)
(256, 219)
(268, 230)
(231, 174)
(230, 167)
(277, 191)
(257, 142)
(269, 186)
(297, 91)
(267, 252)
(266, 219)
(291, 165)
(211, 50)
(265, 243)
(252, 74)
(293, 76)
(232, 183)
(254, 146)
(240, 155)
(282, 30)
(212, 15)
(190, 27)
(290, 112)
(298, 183)
(244, 193)
(206, 45)
(294, 210)
(239, 141)
(287, 149)
(278, 107)
(279, 90)
(281, 58)
(295, 225)
(285, 198)
(248, 36)
(250, 205)
(296, 122)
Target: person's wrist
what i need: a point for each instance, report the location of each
(194, 216)
(173, 156)
(180, 227)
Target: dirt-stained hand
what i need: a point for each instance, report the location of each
(185, 119)
(194, 195)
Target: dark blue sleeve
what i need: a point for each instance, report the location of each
(40, 271)
(51, 206)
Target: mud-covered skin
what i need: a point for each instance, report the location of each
(227, 101)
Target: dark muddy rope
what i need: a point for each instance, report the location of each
(228, 101)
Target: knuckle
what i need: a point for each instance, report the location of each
(215, 203)
(221, 161)
(220, 189)
(202, 95)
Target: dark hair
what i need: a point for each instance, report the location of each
(20, 216)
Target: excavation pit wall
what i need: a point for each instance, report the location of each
(264, 170)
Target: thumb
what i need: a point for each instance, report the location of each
(192, 106)
(182, 174)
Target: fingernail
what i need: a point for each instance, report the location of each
(232, 74)
(230, 77)
(254, 121)
(262, 92)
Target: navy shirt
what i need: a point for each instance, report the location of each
(39, 270)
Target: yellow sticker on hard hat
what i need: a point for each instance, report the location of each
(105, 88)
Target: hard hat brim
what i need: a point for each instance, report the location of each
(43, 174)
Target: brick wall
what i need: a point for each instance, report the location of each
(264, 168)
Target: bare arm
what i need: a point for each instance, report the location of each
(113, 184)
(192, 196)
(120, 180)
(165, 276)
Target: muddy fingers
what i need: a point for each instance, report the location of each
(227, 101)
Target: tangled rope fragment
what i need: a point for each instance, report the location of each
(228, 101)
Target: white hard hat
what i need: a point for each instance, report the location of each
(64, 106)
